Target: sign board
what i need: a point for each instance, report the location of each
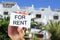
(20, 20)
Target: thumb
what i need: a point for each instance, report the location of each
(19, 29)
(21, 32)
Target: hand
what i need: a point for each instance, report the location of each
(16, 33)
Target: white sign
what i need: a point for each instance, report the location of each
(20, 20)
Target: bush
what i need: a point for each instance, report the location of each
(54, 29)
(3, 30)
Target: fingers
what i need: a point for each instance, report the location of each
(15, 30)
(12, 30)
(22, 12)
(21, 31)
(9, 30)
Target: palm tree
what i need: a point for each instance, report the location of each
(54, 29)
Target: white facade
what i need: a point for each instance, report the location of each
(46, 14)
(6, 8)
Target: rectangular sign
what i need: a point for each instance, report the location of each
(20, 20)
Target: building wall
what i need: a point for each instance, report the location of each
(46, 13)
(8, 9)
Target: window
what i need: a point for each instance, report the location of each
(5, 13)
(1, 16)
(38, 15)
(8, 5)
(42, 9)
(35, 26)
(56, 17)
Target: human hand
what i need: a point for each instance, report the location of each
(16, 33)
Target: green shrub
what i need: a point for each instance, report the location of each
(54, 29)
(35, 37)
(3, 30)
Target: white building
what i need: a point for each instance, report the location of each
(44, 15)
(6, 8)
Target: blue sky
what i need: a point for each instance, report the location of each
(55, 4)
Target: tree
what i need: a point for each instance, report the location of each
(54, 29)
